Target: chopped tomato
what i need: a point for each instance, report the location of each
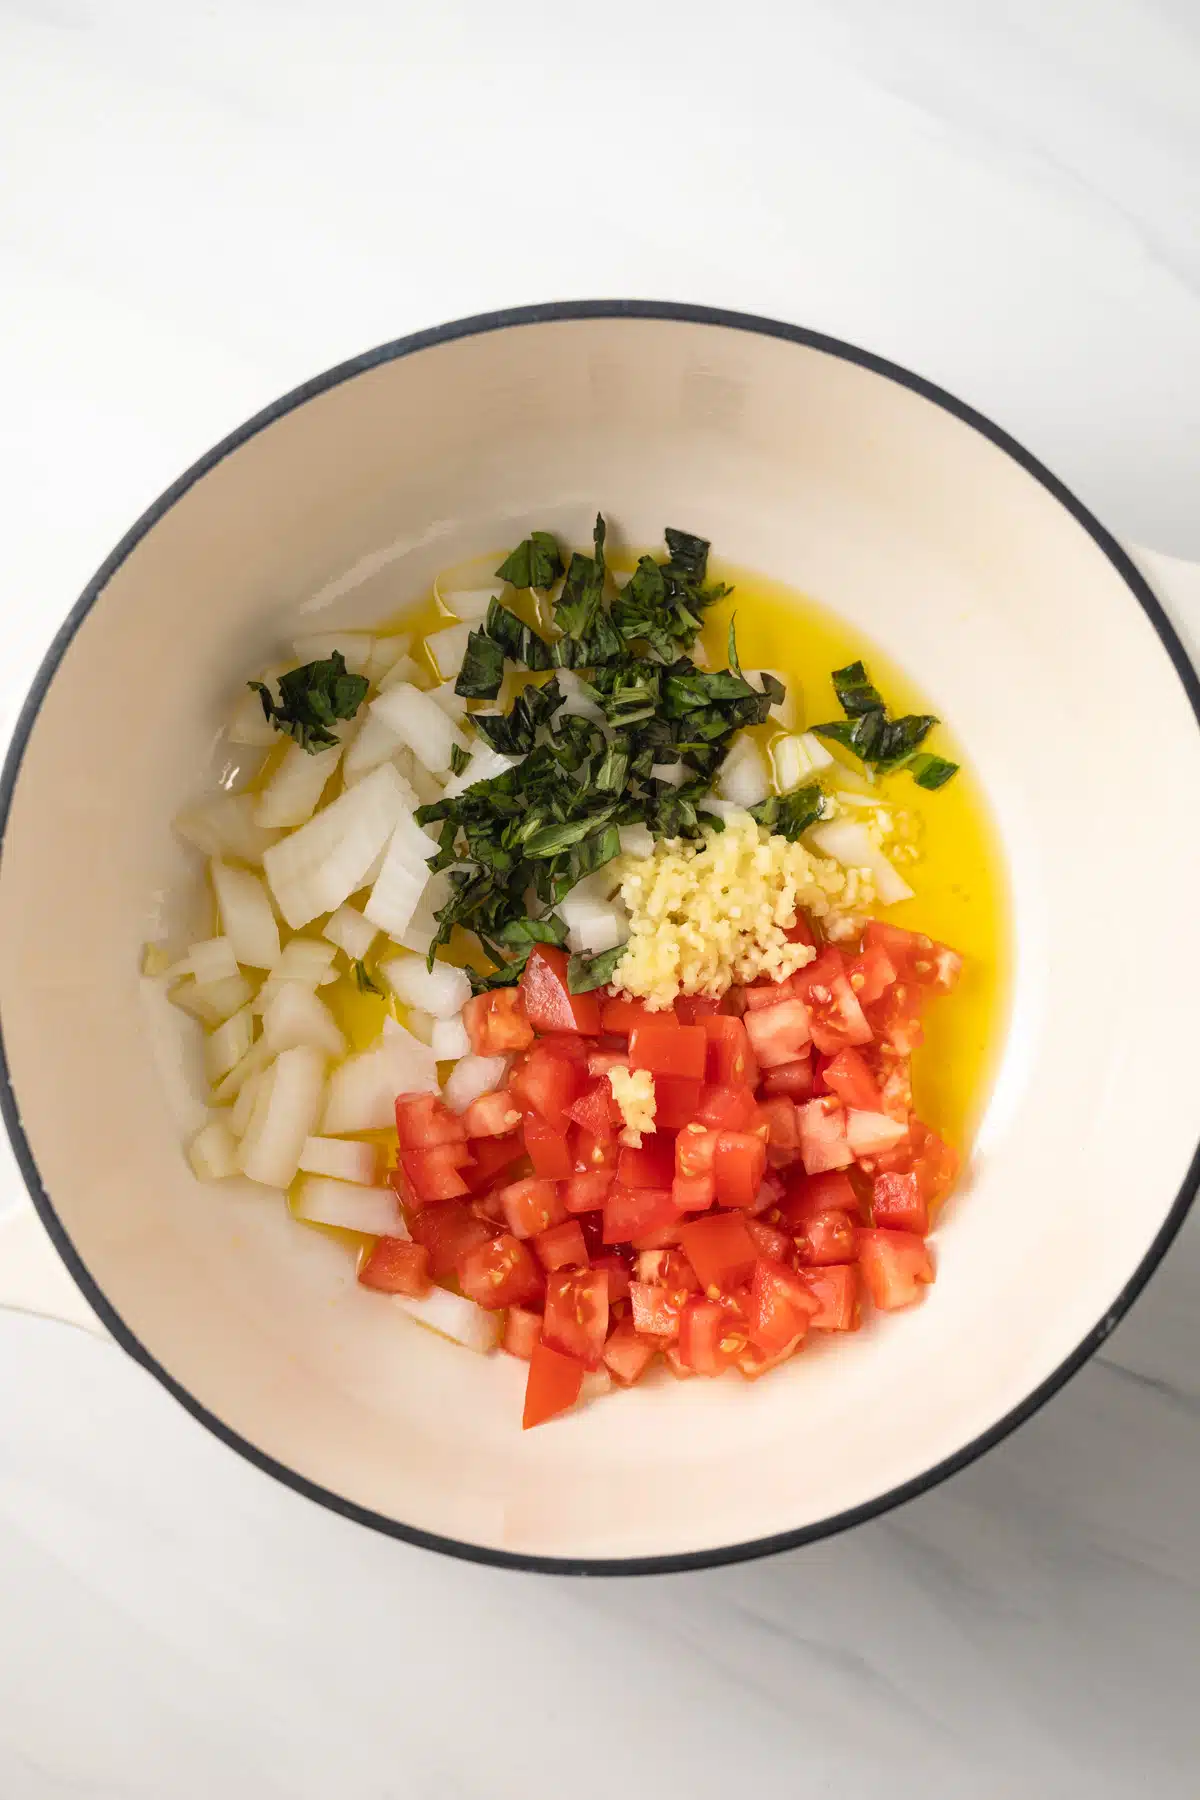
(627, 1354)
(489, 1206)
(835, 1289)
(871, 1133)
(783, 1127)
(826, 1237)
(768, 1197)
(916, 957)
(586, 1191)
(794, 1080)
(522, 1332)
(834, 1014)
(870, 974)
(599, 1062)
(496, 1023)
(676, 1101)
(433, 1174)
(593, 1154)
(895, 1266)
(848, 1076)
(423, 1121)
(488, 1157)
(562, 1246)
(823, 1136)
(935, 1164)
(693, 1193)
(669, 1269)
(754, 1362)
(898, 1203)
(808, 1194)
(448, 1230)
(691, 1008)
(802, 931)
(546, 1084)
(618, 1277)
(711, 1337)
(780, 1306)
(720, 1249)
(669, 1049)
(778, 1034)
(395, 1266)
(593, 1110)
(730, 1061)
(576, 1316)
(766, 993)
(675, 1362)
(894, 1073)
(658, 1237)
(695, 1150)
(739, 1164)
(631, 1212)
(549, 1003)
(553, 1385)
(499, 1273)
(532, 1205)
(656, 1309)
(896, 1018)
(653, 1166)
(769, 1240)
(620, 1016)
(492, 1115)
(547, 1149)
(728, 1108)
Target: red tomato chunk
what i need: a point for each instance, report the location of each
(395, 1266)
(669, 1049)
(496, 1023)
(553, 1385)
(499, 1273)
(549, 1003)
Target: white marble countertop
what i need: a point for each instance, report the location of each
(201, 207)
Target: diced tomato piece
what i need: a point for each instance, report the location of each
(488, 1157)
(600, 1061)
(728, 1108)
(894, 1075)
(549, 1003)
(915, 957)
(793, 1080)
(489, 1206)
(499, 1273)
(632, 1212)
(766, 993)
(496, 1023)
(546, 1084)
(532, 1205)
(754, 1362)
(730, 1061)
(693, 1193)
(548, 1149)
(835, 1016)
(553, 1385)
(871, 1133)
(802, 932)
(620, 1016)
(739, 1164)
(675, 1362)
(592, 1226)
(656, 1309)
(848, 1076)
(783, 1127)
(653, 1166)
(826, 1237)
(586, 1191)
(769, 1240)
(935, 1164)
(593, 1154)
(870, 974)
(433, 1174)
(562, 1246)
(659, 1237)
(576, 1316)
(618, 1277)
(695, 1150)
(769, 1195)
(835, 1289)
(898, 1203)
(711, 1338)
(896, 1018)
(492, 1115)
(522, 1332)
(667, 1268)
(779, 1033)
(571, 1047)
(448, 1230)
(809, 1194)
(627, 1354)
(691, 1008)
(676, 1101)
(424, 1121)
(895, 1266)
(594, 1109)
(397, 1267)
(720, 1249)
(669, 1049)
(780, 1306)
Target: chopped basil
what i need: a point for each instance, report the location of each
(519, 642)
(363, 981)
(482, 670)
(882, 743)
(790, 815)
(536, 562)
(584, 973)
(931, 771)
(312, 699)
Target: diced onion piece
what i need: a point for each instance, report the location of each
(363, 1089)
(253, 1063)
(226, 826)
(393, 899)
(250, 724)
(426, 788)
(783, 712)
(420, 722)
(376, 743)
(848, 842)
(871, 1133)
(243, 1106)
(285, 1114)
(403, 669)
(213, 960)
(351, 932)
(442, 990)
(470, 603)
(818, 755)
(672, 774)
(296, 1016)
(355, 646)
(422, 927)
(373, 1210)
(341, 1158)
(385, 654)
(454, 1317)
(247, 918)
(594, 921)
(228, 1044)
(485, 765)
(449, 1039)
(421, 1024)
(318, 867)
(743, 776)
(294, 791)
(473, 1077)
(636, 840)
(213, 1152)
(792, 764)
(451, 702)
(304, 959)
(215, 1001)
(448, 648)
(720, 809)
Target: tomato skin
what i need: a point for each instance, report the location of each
(656, 1310)
(492, 1115)
(780, 1033)
(895, 1267)
(496, 1023)
(652, 1166)
(724, 1108)
(499, 1273)
(575, 1320)
(730, 1061)
(448, 1230)
(489, 1156)
(423, 1121)
(695, 1151)
(835, 1289)
(620, 1016)
(711, 1338)
(532, 1205)
(898, 1203)
(548, 1001)
(720, 1249)
(792, 1080)
(522, 1332)
(547, 1084)
(433, 1174)
(693, 1193)
(627, 1354)
(547, 1149)
(677, 1099)
(780, 1308)
(562, 1246)
(395, 1266)
(826, 1237)
(632, 1212)
(669, 1049)
(553, 1385)
(848, 1076)
(586, 1191)
(593, 1110)
(871, 973)
(739, 1164)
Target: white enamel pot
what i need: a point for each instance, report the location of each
(1022, 618)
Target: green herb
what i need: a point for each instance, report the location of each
(312, 699)
(519, 642)
(536, 562)
(584, 974)
(790, 815)
(882, 743)
(513, 732)
(482, 670)
(363, 981)
(460, 759)
(931, 771)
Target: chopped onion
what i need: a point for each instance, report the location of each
(818, 756)
(351, 932)
(672, 774)
(403, 669)
(720, 809)
(871, 1133)
(420, 722)
(213, 1152)
(385, 654)
(318, 867)
(285, 1114)
(420, 1023)
(454, 1317)
(376, 743)
(791, 760)
(448, 648)
(228, 1044)
(243, 1105)
(252, 1064)
(471, 604)
(393, 899)
(212, 960)
(743, 776)
(373, 1210)
(355, 646)
(450, 700)
(305, 959)
(425, 788)
(594, 921)
(636, 840)
(341, 1158)
(848, 842)
(246, 915)
(250, 724)
(485, 765)
(449, 1039)
(422, 927)
(294, 791)
(296, 1016)
(442, 990)
(363, 1089)
(226, 826)
(215, 1001)
(473, 1077)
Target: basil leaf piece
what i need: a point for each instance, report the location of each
(363, 981)
(519, 642)
(790, 815)
(854, 691)
(482, 670)
(536, 562)
(584, 974)
(688, 554)
(931, 772)
(311, 699)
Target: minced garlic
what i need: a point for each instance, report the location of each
(709, 913)
(633, 1091)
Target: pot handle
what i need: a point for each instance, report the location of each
(1177, 586)
(33, 1277)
